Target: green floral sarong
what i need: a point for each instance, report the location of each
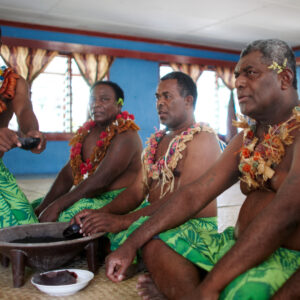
(84, 203)
(258, 283)
(191, 228)
(117, 239)
(14, 206)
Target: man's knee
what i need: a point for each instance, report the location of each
(152, 250)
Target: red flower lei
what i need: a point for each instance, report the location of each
(258, 160)
(81, 170)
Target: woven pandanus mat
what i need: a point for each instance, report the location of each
(99, 288)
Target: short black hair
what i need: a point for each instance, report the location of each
(185, 83)
(274, 50)
(118, 91)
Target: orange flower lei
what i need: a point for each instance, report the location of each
(81, 170)
(258, 160)
(8, 82)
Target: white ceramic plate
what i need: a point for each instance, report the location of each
(83, 278)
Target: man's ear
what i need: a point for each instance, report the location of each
(189, 100)
(286, 77)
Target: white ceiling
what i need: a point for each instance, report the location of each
(218, 23)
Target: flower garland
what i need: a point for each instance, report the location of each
(81, 170)
(8, 82)
(258, 160)
(162, 169)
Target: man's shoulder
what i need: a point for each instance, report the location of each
(129, 138)
(204, 132)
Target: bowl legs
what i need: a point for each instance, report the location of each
(92, 255)
(4, 260)
(18, 258)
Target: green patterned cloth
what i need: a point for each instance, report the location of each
(206, 248)
(191, 228)
(84, 203)
(117, 239)
(14, 206)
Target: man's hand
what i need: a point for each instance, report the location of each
(42, 145)
(38, 210)
(8, 140)
(117, 262)
(50, 213)
(93, 221)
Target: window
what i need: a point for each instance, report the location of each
(212, 101)
(59, 97)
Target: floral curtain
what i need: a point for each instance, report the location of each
(227, 76)
(193, 70)
(93, 67)
(27, 62)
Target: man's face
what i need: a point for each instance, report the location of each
(171, 106)
(257, 86)
(103, 104)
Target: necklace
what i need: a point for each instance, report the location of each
(259, 159)
(8, 82)
(162, 169)
(82, 169)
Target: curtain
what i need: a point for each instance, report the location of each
(194, 71)
(27, 62)
(93, 67)
(227, 76)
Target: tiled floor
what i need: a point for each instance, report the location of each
(229, 202)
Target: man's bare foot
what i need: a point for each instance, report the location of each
(147, 288)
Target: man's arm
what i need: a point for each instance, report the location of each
(61, 185)
(112, 217)
(267, 232)
(175, 211)
(26, 118)
(117, 159)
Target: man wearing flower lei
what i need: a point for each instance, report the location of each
(104, 160)
(173, 157)
(14, 99)
(256, 257)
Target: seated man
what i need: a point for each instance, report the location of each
(14, 99)
(105, 158)
(174, 157)
(252, 260)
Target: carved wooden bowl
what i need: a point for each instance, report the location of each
(46, 255)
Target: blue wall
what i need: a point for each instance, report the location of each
(44, 35)
(298, 79)
(139, 79)
(49, 161)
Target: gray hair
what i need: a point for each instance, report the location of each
(273, 50)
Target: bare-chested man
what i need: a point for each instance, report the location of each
(14, 99)
(174, 157)
(105, 158)
(252, 260)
